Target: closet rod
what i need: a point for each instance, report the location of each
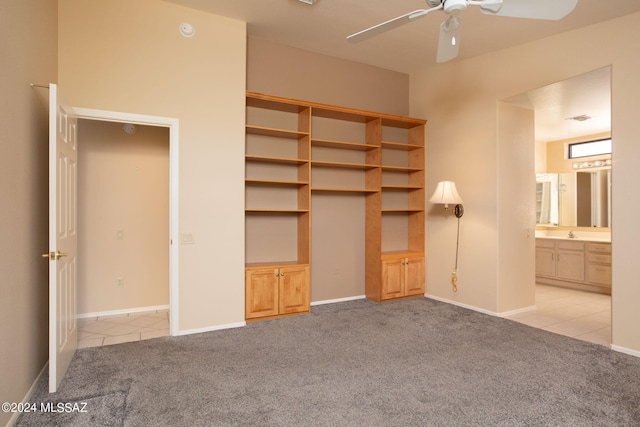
(42, 86)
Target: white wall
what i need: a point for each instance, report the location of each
(459, 99)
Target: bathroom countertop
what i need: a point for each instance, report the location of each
(583, 238)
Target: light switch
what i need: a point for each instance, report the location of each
(187, 239)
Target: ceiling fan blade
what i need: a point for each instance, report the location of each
(449, 40)
(390, 24)
(532, 9)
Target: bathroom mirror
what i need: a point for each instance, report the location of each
(574, 199)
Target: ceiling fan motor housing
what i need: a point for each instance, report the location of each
(434, 3)
(453, 7)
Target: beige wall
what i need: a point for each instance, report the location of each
(130, 57)
(337, 229)
(459, 99)
(28, 51)
(286, 71)
(123, 185)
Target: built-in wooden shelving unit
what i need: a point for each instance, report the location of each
(287, 161)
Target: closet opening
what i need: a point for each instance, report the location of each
(127, 222)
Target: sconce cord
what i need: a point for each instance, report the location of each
(454, 275)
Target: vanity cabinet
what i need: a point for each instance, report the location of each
(403, 275)
(599, 264)
(577, 264)
(272, 291)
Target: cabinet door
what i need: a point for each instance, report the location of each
(570, 265)
(414, 276)
(294, 289)
(261, 292)
(599, 274)
(545, 262)
(392, 278)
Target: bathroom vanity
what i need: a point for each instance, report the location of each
(576, 262)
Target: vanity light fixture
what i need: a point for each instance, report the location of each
(446, 194)
(592, 164)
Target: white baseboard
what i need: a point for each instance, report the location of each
(27, 397)
(459, 304)
(125, 311)
(332, 301)
(625, 350)
(211, 329)
(517, 311)
(482, 310)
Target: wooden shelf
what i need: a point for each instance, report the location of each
(272, 210)
(276, 182)
(273, 264)
(400, 146)
(270, 159)
(345, 190)
(278, 133)
(401, 169)
(342, 145)
(323, 163)
(401, 210)
(402, 187)
(407, 253)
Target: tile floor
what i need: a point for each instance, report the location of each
(107, 330)
(582, 315)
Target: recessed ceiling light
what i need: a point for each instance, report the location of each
(308, 1)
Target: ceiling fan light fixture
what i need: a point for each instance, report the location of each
(453, 7)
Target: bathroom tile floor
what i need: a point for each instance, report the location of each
(107, 330)
(578, 314)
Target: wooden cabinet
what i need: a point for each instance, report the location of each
(403, 275)
(545, 258)
(570, 260)
(599, 264)
(296, 149)
(576, 264)
(272, 291)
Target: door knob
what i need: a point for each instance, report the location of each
(54, 256)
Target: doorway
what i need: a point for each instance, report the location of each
(169, 127)
(570, 111)
(123, 228)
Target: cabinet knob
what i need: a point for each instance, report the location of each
(282, 274)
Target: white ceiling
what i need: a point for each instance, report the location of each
(588, 94)
(323, 27)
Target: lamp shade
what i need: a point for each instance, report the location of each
(446, 194)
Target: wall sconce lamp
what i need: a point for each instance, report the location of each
(446, 194)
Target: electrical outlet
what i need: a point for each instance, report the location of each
(120, 282)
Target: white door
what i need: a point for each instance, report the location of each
(63, 156)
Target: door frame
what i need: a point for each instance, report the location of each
(174, 143)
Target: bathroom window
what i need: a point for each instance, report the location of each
(590, 148)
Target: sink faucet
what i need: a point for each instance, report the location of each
(571, 235)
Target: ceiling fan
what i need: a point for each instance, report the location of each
(449, 40)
